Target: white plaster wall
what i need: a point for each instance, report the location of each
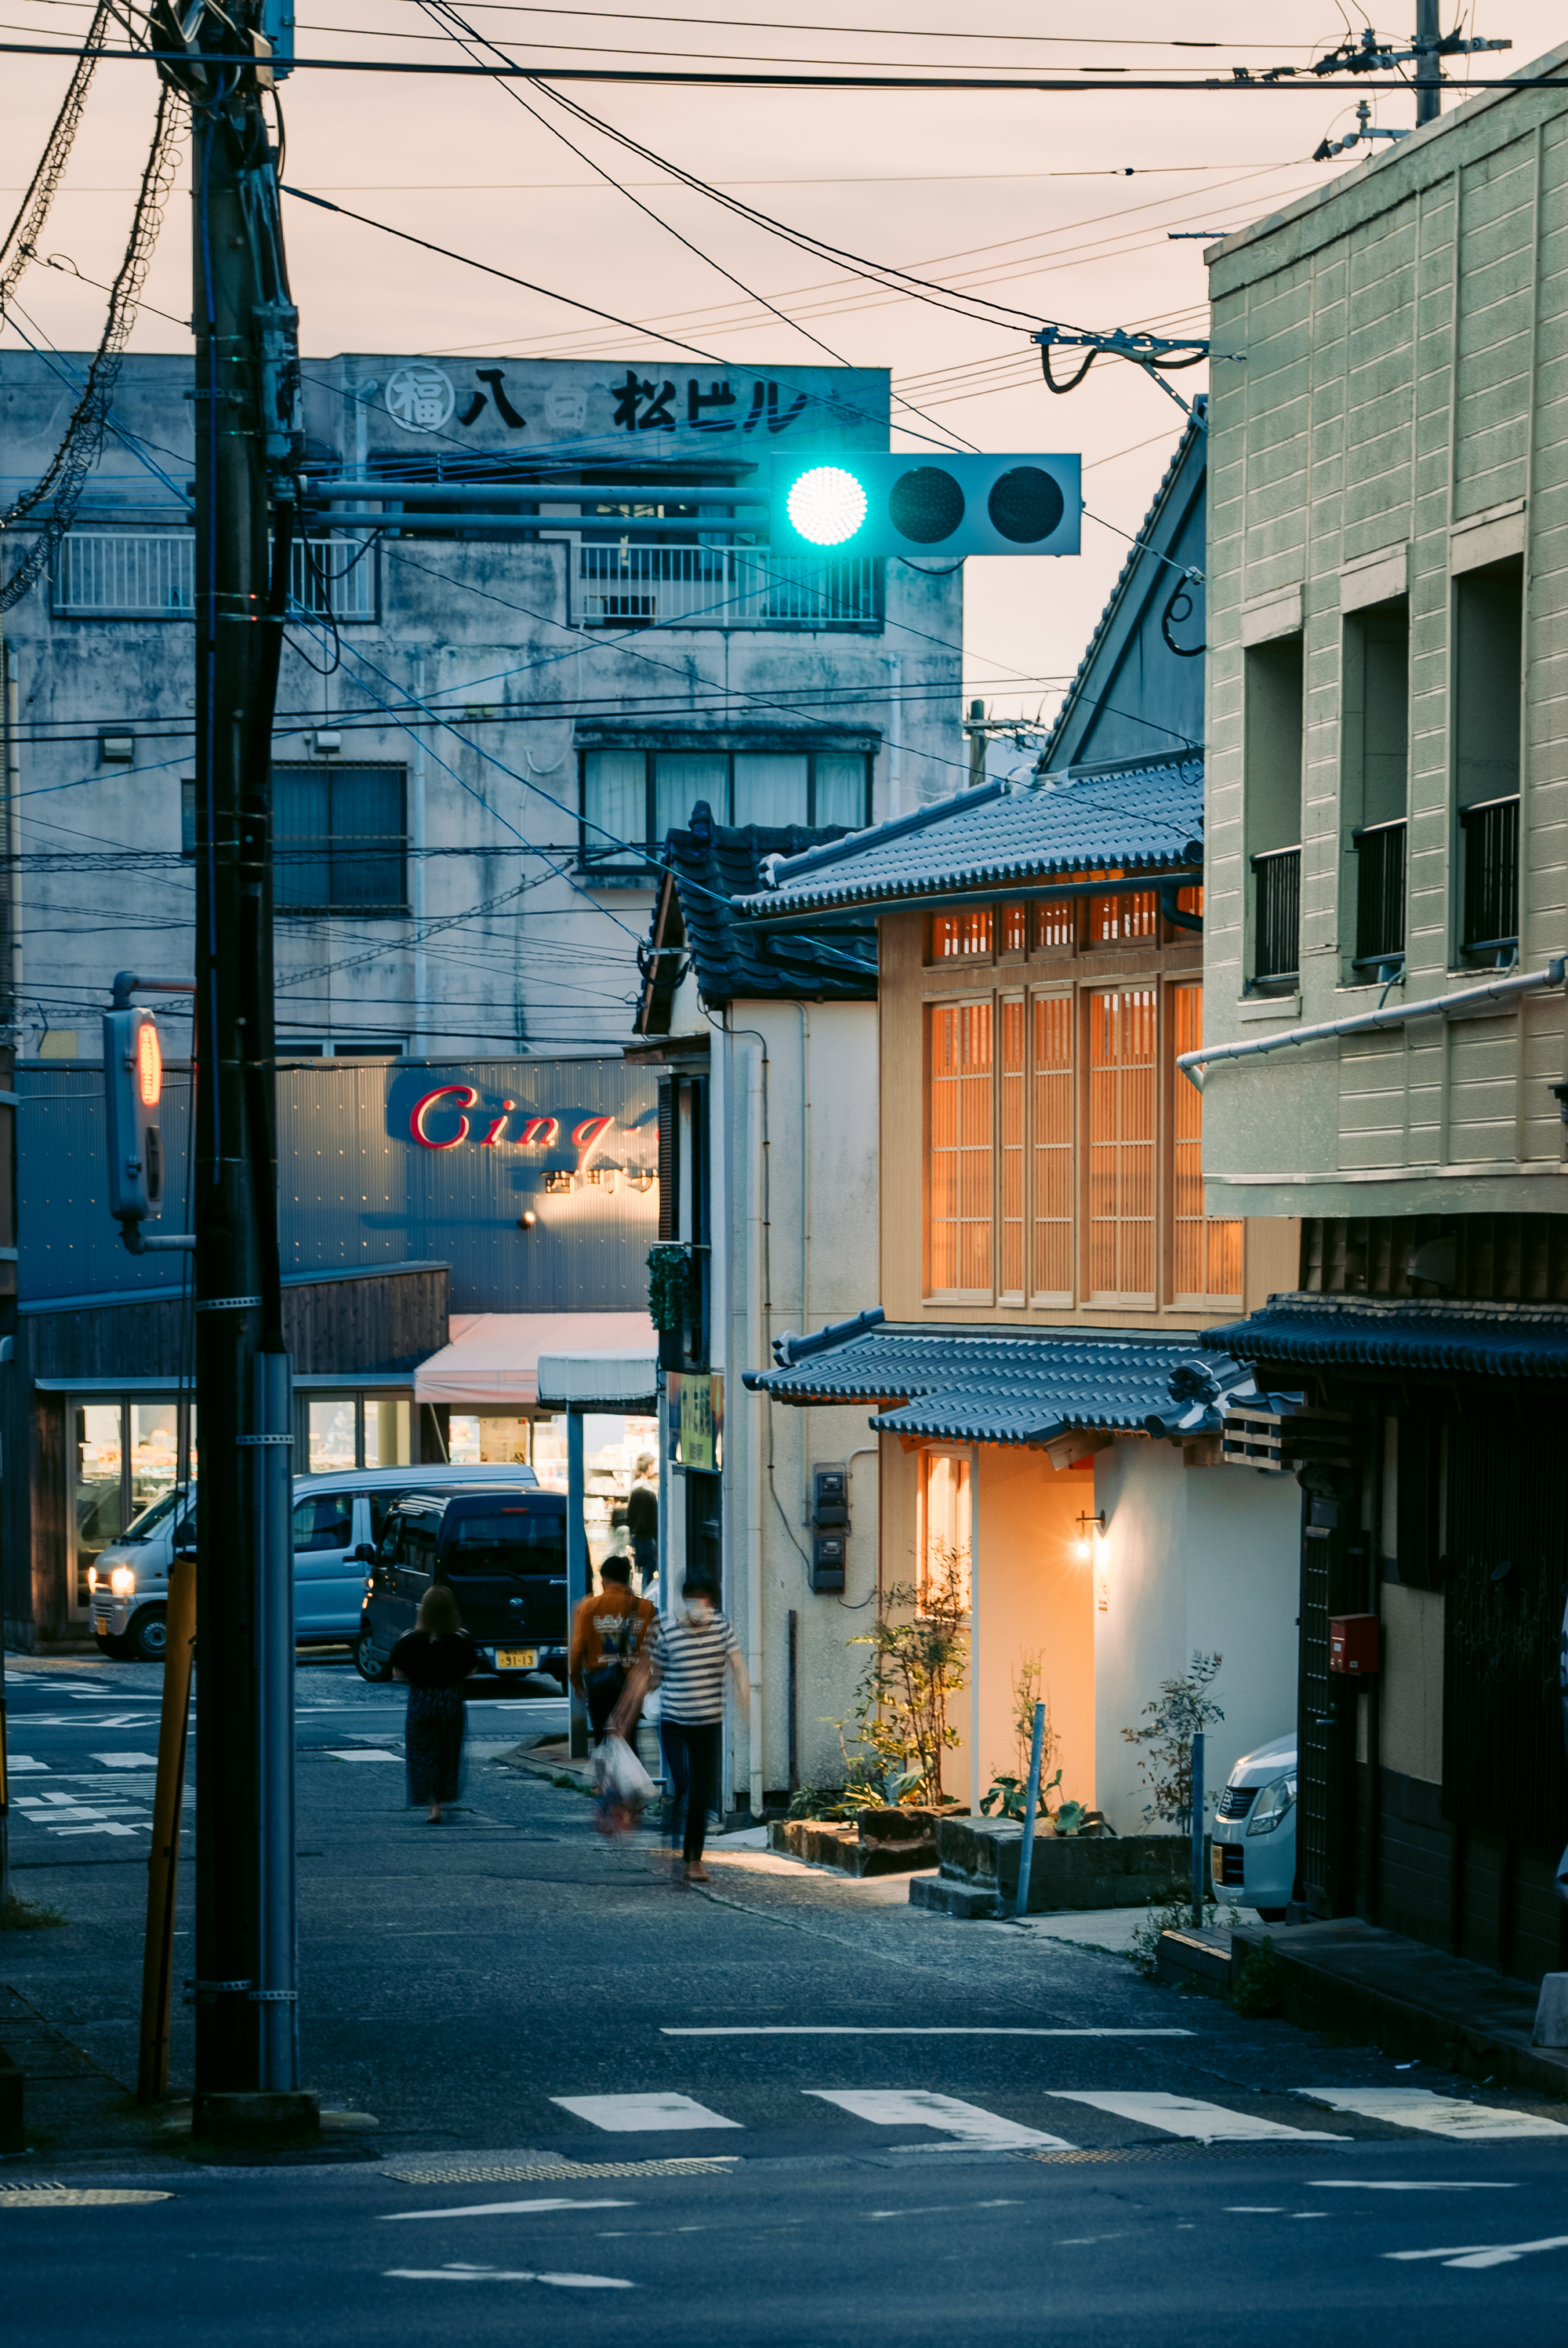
(1193, 1558)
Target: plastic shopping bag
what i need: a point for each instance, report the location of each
(622, 1785)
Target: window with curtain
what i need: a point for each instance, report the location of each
(1207, 1249)
(945, 1542)
(682, 777)
(771, 787)
(1123, 1034)
(614, 805)
(1052, 1272)
(962, 1208)
(339, 839)
(840, 793)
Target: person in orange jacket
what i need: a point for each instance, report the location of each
(607, 1638)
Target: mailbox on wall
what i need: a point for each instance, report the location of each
(1355, 1644)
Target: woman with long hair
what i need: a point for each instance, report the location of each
(435, 1658)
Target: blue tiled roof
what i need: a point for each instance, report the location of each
(980, 1386)
(1137, 817)
(1368, 1332)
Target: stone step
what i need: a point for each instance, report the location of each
(947, 1897)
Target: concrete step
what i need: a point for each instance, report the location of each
(947, 1897)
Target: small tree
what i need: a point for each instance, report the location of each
(1029, 1689)
(1165, 1744)
(919, 1650)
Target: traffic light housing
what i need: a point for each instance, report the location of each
(133, 1092)
(840, 502)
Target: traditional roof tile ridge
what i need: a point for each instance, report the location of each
(897, 827)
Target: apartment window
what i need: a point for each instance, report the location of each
(1053, 1135)
(1206, 1250)
(631, 798)
(340, 842)
(945, 1537)
(1123, 1025)
(1489, 635)
(962, 1206)
(955, 934)
(1374, 785)
(1273, 758)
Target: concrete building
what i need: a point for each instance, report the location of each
(1385, 1029)
(536, 620)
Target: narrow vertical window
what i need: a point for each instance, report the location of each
(1011, 1288)
(945, 1537)
(1122, 1027)
(1273, 721)
(1489, 612)
(1206, 1250)
(959, 1125)
(1053, 1169)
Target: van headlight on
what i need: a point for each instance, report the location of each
(1273, 1805)
(92, 1579)
(122, 1582)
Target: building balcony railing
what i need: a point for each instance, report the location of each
(151, 574)
(1276, 931)
(629, 584)
(1491, 923)
(1379, 894)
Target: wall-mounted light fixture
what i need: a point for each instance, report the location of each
(1090, 1530)
(527, 1220)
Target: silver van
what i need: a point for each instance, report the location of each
(336, 1517)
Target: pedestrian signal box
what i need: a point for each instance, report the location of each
(840, 501)
(133, 1093)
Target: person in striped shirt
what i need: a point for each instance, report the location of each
(686, 1659)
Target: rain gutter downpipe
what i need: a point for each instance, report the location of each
(1195, 1065)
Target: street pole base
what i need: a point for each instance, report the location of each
(273, 2119)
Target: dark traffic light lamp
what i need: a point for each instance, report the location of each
(842, 501)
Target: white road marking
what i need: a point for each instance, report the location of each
(20, 1761)
(510, 2274)
(363, 1753)
(1434, 2115)
(501, 2209)
(126, 1760)
(627, 2114)
(1402, 2185)
(895, 2030)
(66, 1814)
(1186, 2116)
(918, 2108)
(1485, 2254)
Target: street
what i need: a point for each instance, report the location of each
(740, 2106)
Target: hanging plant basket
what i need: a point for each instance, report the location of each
(671, 1288)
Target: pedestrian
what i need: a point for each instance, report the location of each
(607, 1638)
(435, 1658)
(686, 1661)
(642, 1521)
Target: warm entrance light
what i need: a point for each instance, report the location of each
(1089, 1529)
(149, 1065)
(827, 505)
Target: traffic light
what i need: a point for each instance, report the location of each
(839, 501)
(133, 1089)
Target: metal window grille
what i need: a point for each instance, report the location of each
(1490, 874)
(142, 574)
(339, 839)
(642, 584)
(1379, 892)
(1277, 935)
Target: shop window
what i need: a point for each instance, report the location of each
(388, 1431)
(945, 1536)
(332, 1437)
(126, 1469)
(960, 1171)
(1206, 1250)
(1053, 1152)
(98, 1511)
(1123, 1029)
(956, 934)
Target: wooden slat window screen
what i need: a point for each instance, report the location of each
(1207, 1251)
(1053, 1183)
(953, 934)
(1123, 1030)
(1113, 920)
(1015, 929)
(1057, 925)
(962, 1205)
(1011, 1290)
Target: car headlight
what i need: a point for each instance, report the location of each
(92, 1578)
(1273, 1805)
(122, 1581)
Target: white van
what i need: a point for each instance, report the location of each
(334, 1516)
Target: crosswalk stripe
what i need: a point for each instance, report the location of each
(896, 2030)
(362, 1753)
(629, 2115)
(1186, 2116)
(918, 2108)
(1434, 2115)
(126, 1760)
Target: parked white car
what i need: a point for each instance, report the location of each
(1252, 1850)
(334, 1516)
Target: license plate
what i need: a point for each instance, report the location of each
(103, 1626)
(515, 1659)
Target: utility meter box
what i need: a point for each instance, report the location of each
(830, 1496)
(1355, 1644)
(830, 1527)
(829, 1552)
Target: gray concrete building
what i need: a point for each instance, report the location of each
(535, 621)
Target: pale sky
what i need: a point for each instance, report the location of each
(1024, 192)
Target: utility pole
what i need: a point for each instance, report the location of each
(1428, 70)
(248, 449)
(10, 1419)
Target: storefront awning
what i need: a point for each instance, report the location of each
(493, 1360)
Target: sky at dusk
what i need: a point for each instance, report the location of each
(1060, 205)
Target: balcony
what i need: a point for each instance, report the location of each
(151, 574)
(1491, 912)
(1276, 933)
(1379, 894)
(629, 584)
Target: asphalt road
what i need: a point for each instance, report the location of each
(787, 2109)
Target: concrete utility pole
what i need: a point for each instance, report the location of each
(248, 449)
(1429, 68)
(10, 953)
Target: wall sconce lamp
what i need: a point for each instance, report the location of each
(527, 1220)
(1086, 1538)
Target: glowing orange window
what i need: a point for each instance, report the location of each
(1208, 1248)
(960, 1115)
